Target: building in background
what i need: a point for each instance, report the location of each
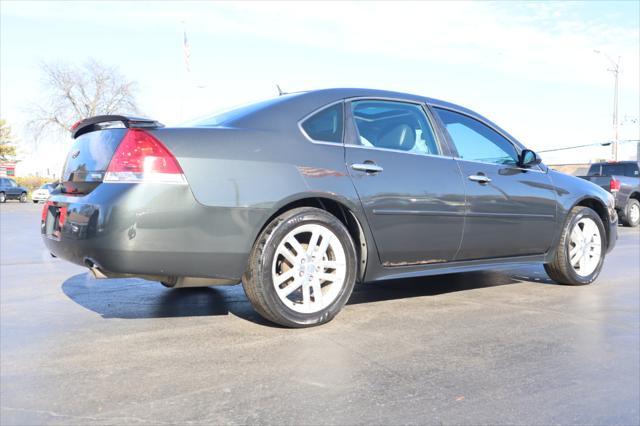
(7, 168)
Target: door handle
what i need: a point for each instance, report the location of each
(479, 178)
(367, 167)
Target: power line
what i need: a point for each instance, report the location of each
(590, 145)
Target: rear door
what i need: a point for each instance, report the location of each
(412, 194)
(510, 210)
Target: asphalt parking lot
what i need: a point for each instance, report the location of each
(473, 348)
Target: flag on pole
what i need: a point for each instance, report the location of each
(187, 52)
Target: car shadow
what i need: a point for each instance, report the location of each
(135, 298)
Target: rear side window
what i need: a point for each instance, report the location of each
(325, 125)
(394, 125)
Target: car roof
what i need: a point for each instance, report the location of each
(285, 110)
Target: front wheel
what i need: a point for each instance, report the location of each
(302, 268)
(580, 253)
(3, 197)
(630, 216)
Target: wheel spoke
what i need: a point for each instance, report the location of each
(306, 294)
(284, 277)
(584, 262)
(573, 251)
(576, 234)
(574, 260)
(331, 264)
(317, 292)
(291, 287)
(324, 245)
(286, 253)
(293, 242)
(327, 277)
(313, 242)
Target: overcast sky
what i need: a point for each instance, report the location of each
(528, 66)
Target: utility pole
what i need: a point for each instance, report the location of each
(616, 74)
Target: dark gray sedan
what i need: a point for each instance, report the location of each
(303, 195)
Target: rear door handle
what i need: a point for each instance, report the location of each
(367, 167)
(479, 178)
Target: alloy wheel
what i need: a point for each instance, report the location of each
(634, 213)
(309, 268)
(585, 247)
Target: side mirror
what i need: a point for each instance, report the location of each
(528, 158)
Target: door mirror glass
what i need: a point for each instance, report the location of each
(529, 158)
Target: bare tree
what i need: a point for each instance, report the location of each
(72, 93)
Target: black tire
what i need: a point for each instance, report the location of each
(23, 197)
(626, 216)
(35, 201)
(560, 269)
(258, 282)
(3, 197)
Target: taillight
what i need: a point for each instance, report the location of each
(45, 210)
(142, 158)
(614, 185)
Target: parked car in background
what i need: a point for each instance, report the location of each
(10, 190)
(622, 179)
(42, 193)
(302, 195)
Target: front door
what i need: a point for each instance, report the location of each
(510, 210)
(412, 195)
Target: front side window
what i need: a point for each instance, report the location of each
(476, 141)
(11, 183)
(325, 125)
(394, 125)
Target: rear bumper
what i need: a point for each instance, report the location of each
(152, 230)
(39, 197)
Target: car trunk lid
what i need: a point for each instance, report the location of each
(96, 140)
(88, 159)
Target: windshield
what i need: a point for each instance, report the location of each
(48, 186)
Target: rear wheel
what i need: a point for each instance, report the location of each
(631, 214)
(580, 253)
(35, 201)
(302, 268)
(23, 197)
(3, 197)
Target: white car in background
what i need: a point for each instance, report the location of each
(42, 193)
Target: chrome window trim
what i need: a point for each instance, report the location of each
(515, 144)
(500, 165)
(315, 111)
(374, 148)
(425, 111)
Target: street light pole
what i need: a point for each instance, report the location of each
(616, 73)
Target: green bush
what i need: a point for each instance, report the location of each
(32, 182)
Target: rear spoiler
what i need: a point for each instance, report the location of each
(99, 122)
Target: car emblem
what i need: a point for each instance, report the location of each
(75, 154)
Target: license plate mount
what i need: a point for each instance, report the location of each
(56, 218)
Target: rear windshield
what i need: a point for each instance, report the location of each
(223, 117)
(620, 169)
